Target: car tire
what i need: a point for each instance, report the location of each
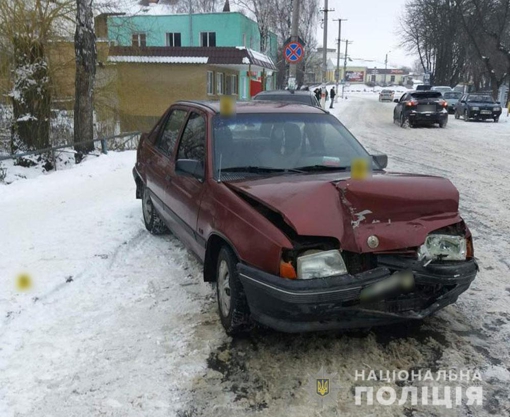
(153, 223)
(457, 115)
(496, 119)
(466, 117)
(443, 123)
(232, 305)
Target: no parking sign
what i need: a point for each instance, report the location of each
(294, 52)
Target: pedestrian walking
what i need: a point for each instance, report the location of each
(317, 92)
(332, 94)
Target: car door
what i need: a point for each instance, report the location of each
(161, 163)
(461, 105)
(398, 107)
(185, 190)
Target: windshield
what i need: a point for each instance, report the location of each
(283, 142)
(481, 99)
(452, 95)
(299, 98)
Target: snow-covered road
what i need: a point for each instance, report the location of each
(134, 331)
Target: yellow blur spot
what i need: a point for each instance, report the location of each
(227, 105)
(23, 282)
(360, 169)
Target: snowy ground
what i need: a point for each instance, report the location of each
(120, 324)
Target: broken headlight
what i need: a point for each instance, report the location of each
(443, 247)
(321, 265)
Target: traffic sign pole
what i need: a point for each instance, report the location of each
(294, 39)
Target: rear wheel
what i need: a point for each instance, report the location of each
(496, 119)
(402, 120)
(457, 115)
(153, 222)
(232, 304)
(443, 123)
(466, 117)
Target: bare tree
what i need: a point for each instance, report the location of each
(85, 50)
(26, 29)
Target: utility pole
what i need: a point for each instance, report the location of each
(345, 66)
(386, 67)
(325, 54)
(337, 78)
(294, 38)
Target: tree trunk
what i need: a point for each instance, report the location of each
(85, 51)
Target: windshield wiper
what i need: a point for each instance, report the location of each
(257, 169)
(322, 168)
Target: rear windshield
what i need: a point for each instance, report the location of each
(481, 99)
(452, 94)
(296, 98)
(426, 94)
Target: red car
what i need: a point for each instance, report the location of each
(265, 199)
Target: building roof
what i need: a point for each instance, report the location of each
(230, 56)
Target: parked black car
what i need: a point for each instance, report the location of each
(478, 106)
(421, 107)
(298, 97)
(452, 97)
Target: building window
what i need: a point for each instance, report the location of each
(208, 38)
(220, 83)
(232, 85)
(244, 39)
(173, 39)
(139, 39)
(210, 83)
(374, 77)
(392, 79)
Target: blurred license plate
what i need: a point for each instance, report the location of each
(427, 108)
(485, 112)
(402, 281)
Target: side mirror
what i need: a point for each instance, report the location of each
(462, 101)
(191, 167)
(498, 102)
(395, 101)
(381, 160)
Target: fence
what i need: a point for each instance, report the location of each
(124, 141)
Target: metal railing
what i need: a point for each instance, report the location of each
(103, 141)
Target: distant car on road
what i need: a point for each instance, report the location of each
(299, 96)
(478, 106)
(452, 98)
(423, 87)
(386, 95)
(441, 88)
(421, 107)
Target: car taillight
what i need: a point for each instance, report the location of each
(443, 103)
(411, 103)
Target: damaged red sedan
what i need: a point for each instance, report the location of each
(266, 200)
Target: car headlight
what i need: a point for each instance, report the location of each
(497, 109)
(320, 265)
(475, 108)
(444, 247)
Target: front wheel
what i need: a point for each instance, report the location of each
(232, 305)
(457, 115)
(466, 117)
(153, 222)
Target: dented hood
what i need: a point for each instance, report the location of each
(400, 209)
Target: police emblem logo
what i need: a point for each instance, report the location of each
(322, 387)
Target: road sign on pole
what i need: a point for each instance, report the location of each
(294, 52)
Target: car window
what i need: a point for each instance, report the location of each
(192, 144)
(299, 98)
(481, 98)
(426, 94)
(404, 97)
(452, 95)
(282, 141)
(168, 137)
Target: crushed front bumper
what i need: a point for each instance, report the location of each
(295, 306)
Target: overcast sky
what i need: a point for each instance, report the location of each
(372, 25)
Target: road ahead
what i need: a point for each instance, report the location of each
(134, 331)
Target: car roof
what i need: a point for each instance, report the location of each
(259, 106)
(279, 92)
